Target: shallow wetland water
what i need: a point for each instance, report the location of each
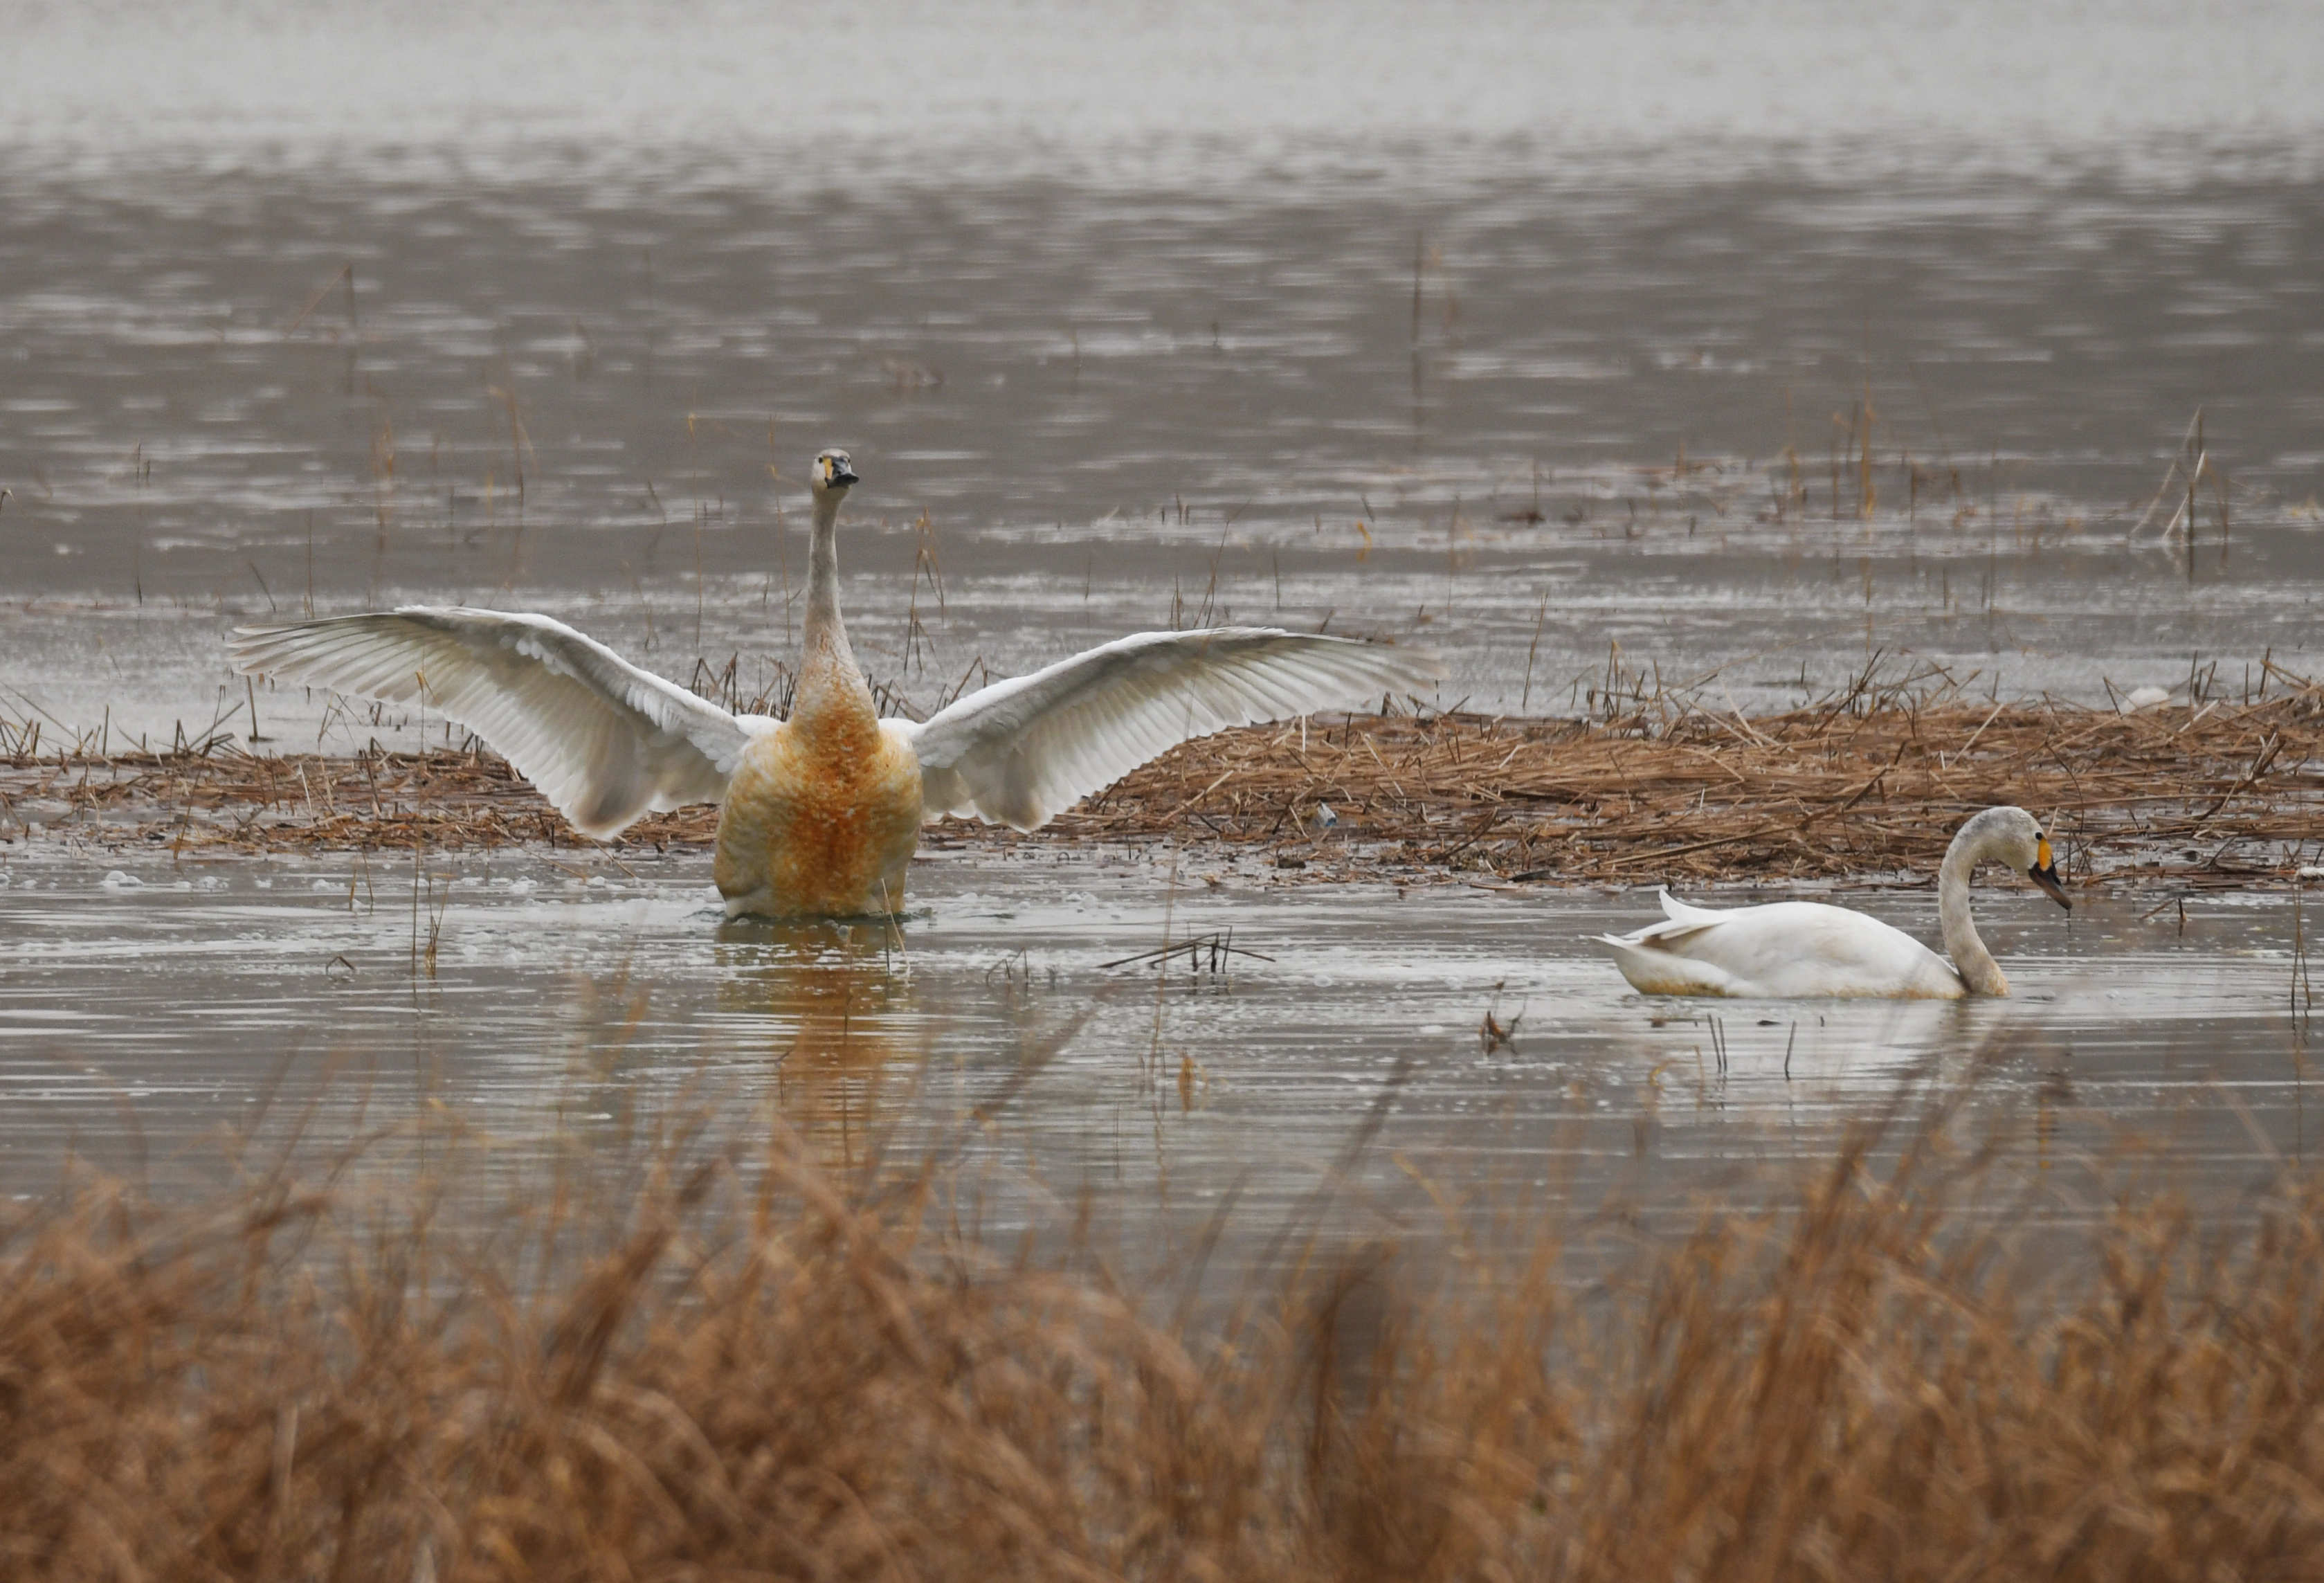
(1587, 378)
(153, 1011)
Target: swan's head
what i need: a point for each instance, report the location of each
(2015, 836)
(833, 473)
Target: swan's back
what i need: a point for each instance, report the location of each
(1781, 950)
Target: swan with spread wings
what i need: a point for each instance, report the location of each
(820, 812)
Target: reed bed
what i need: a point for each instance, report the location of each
(1866, 785)
(744, 1368)
(1874, 789)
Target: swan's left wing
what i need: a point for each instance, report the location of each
(1023, 750)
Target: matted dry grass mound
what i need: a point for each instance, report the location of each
(742, 1372)
(2225, 794)
(1869, 784)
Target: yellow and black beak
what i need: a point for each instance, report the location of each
(2044, 873)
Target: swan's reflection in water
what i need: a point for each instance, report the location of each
(844, 1037)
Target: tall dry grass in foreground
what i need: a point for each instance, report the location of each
(750, 1373)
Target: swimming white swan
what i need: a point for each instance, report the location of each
(1789, 949)
(821, 811)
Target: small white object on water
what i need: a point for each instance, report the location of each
(118, 880)
(2310, 871)
(2145, 697)
(1324, 818)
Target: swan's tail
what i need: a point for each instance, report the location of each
(1653, 969)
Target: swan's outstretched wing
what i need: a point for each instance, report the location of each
(1027, 748)
(604, 741)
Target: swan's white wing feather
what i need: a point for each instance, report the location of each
(1678, 912)
(1783, 949)
(1023, 750)
(604, 741)
(1652, 971)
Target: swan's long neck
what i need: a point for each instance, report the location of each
(829, 685)
(1971, 960)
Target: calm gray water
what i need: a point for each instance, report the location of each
(151, 1011)
(1738, 343)
(1133, 317)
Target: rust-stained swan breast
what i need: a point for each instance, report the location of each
(821, 818)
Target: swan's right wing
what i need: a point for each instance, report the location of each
(602, 740)
(1023, 750)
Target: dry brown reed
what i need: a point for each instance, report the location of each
(2223, 791)
(1865, 785)
(748, 1370)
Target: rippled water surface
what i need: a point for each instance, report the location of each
(1572, 346)
(151, 1011)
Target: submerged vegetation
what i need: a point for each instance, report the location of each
(730, 1364)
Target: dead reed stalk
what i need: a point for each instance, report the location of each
(742, 1368)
